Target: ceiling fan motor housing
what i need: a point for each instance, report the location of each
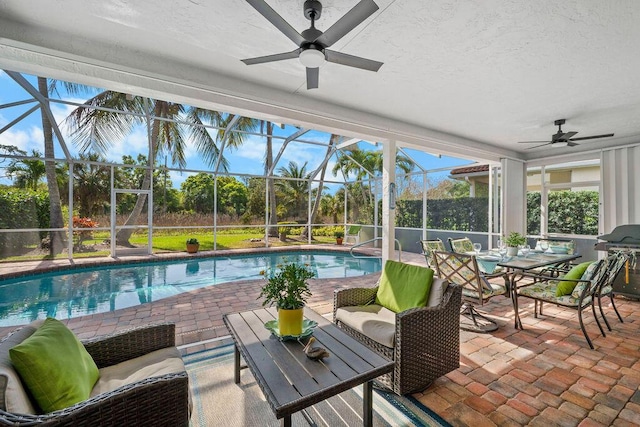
(312, 9)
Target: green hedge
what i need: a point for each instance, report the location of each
(570, 212)
(461, 214)
(20, 208)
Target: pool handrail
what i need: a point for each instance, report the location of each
(371, 256)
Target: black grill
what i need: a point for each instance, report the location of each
(626, 238)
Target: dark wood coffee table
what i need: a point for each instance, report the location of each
(292, 382)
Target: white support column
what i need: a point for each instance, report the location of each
(514, 196)
(388, 200)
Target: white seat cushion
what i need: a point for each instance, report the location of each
(154, 364)
(374, 321)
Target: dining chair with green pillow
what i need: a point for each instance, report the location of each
(545, 289)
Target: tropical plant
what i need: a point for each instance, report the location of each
(27, 173)
(96, 126)
(317, 204)
(82, 235)
(515, 239)
(339, 234)
(287, 286)
(192, 241)
(293, 192)
(363, 164)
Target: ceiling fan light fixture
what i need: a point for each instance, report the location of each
(561, 143)
(311, 58)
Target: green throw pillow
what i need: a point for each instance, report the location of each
(55, 366)
(404, 286)
(566, 287)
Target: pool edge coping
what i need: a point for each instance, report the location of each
(25, 268)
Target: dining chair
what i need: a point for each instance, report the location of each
(461, 245)
(464, 245)
(463, 270)
(429, 246)
(621, 260)
(546, 289)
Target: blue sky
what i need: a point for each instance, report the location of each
(27, 135)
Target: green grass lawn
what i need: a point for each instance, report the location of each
(165, 242)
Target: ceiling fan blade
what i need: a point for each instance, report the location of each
(348, 22)
(313, 76)
(592, 137)
(277, 21)
(571, 144)
(272, 58)
(351, 61)
(541, 145)
(565, 136)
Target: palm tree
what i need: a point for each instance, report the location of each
(92, 184)
(55, 205)
(332, 206)
(97, 129)
(360, 163)
(333, 140)
(293, 192)
(27, 173)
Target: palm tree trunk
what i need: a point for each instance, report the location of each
(123, 236)
(306, 232)
(272, 230)
(55, 206)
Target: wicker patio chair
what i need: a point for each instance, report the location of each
(476, 289)
(426, 340)
(161, 400)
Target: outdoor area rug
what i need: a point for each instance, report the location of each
(218, 401)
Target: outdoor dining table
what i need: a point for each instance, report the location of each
(520, 264)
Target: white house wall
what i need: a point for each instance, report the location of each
(620, 188)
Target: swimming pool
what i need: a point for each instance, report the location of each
(73, 293)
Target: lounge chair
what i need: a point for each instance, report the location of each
(423, 341)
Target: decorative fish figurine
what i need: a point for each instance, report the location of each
(315, 353)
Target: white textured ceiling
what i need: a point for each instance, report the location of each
(473, 76)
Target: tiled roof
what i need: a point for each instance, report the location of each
(470, 169)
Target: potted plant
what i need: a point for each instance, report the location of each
(288, 289)
(513, 240)
(339, 235)
(192, 245)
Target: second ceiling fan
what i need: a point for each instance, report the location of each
(563, 139)
(312, 43)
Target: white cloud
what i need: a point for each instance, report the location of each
(25, 139)
(133, 144)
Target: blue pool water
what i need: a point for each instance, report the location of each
(73, 293)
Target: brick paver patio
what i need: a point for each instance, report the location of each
(544, 375)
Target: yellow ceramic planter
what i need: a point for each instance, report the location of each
(290, 321)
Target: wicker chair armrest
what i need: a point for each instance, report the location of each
(111, 349)
(451, 302)
(434, 328)
(157, 401)
(352, 296)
